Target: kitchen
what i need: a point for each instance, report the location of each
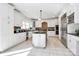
(21, 28)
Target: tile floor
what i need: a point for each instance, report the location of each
(54, 48)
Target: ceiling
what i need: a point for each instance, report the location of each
(32, 10)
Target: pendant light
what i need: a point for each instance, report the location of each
(40, 18)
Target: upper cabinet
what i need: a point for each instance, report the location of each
(70, 10)
(71, 18)
(76, 14)
(73, 8)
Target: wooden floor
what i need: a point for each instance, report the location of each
(54, 42)
(54, 48)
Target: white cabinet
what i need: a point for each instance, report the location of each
(6, 26)
(51, 33)
(76, 17)
(70, 10)
(73, 8)
(19, 18)
(73, 43)
(19, 37)
(76, 14)
(39, 40)
(7, 36)
(30, 34)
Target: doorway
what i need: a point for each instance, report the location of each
(44, 26)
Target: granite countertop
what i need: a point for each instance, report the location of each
(39, 32)
(74, 34)
(20, 31)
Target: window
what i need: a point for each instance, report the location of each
(25, 25)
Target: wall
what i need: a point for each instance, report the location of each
(51, 23)
(72, 27)
(7, 36)
(19, 18)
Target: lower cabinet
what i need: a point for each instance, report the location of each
(19, 37)
(51, 33)
(72, 44)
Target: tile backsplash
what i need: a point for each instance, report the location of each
(71, 28)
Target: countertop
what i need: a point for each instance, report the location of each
(22, 31)
(39, 32)
(74, 34)
(15, 32)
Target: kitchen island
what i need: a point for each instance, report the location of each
(39, 39)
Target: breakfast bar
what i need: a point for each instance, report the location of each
(39, 39)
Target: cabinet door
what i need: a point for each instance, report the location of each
(69, 41)
(51, 33)
(77, 47)
(70, 10)
(76, 17)
(73, 46)
(11, 20)
(72, 43)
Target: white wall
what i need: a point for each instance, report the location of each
(51, 23)
(7, 36)
(19, 18)
(72, 27)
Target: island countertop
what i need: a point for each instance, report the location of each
(39, 32)
(39, 39)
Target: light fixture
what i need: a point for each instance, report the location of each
(40, 18)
